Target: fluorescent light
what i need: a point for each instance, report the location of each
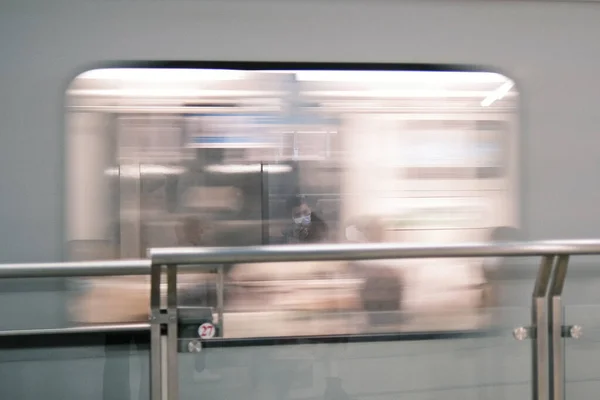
(396, 76)
(186, 75)
(409, 94)
(162, 74)
(248, 168)
(164, 93)
(497, 94)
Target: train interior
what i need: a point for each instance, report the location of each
(205, 157)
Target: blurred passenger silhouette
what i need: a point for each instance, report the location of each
(493, 266)
(381, 294)
(198, 289)
(190, 232)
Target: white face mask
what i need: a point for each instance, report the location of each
(304, 220)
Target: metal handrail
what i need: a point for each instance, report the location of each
(333, 252)
(321, 252)
(76, 269)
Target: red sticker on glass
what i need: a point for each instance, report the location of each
(206, 330)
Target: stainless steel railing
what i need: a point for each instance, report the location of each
(546, 330)
(324, 252)
(76, 269)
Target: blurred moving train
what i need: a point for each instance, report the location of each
(163, 157)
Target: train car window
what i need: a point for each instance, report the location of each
(232, 157)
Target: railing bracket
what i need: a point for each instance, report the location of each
(572, 331)
(523, 332)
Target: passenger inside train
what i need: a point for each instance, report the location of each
(199, 288)
(307, 226)
(381, 292)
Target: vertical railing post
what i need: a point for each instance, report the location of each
(557, 359)
(163, 327)
(540, 329)
(172, 334)
(220, 299)
(155, 333)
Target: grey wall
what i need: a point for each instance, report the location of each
(494, 368)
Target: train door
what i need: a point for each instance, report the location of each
(175, 150)
(166, 161)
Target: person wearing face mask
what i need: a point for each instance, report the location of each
(306, 226)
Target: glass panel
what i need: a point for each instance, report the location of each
(456, 366)
(94, 367)
(582, 364)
